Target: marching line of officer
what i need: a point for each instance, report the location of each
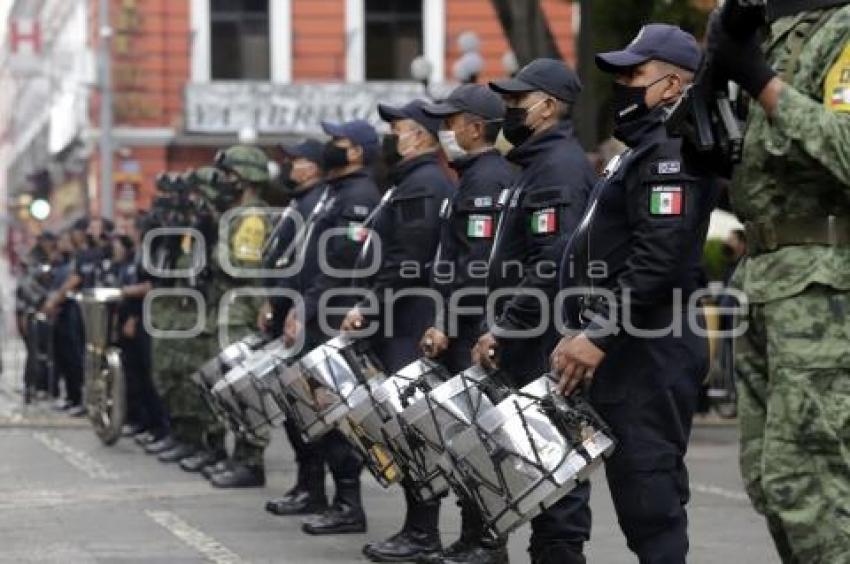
(471, 119)
(647, 221)
(541, 208)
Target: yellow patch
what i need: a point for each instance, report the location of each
(247, 243)
(836, 95)
(186, 243)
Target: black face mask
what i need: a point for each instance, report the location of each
(389, 150)
(630, 101)
(514, 128)
(334, 157)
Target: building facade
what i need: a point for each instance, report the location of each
(192, 76)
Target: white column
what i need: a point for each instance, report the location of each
(280, 39)
(434, 36)
(200, 51)
(355, 40)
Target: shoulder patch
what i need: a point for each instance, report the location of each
(544, 222)
(483, 202)
(666, 200)
(667, 167)
(249, 238)
(837, 85)
(479, 226)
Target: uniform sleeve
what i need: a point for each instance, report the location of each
(666, 219)
(409, 239)
(549, 217)
(341, 251)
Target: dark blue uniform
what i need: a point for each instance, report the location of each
(408, 226)
(305, 204)
(349, 202)
(647, 222)
(542, 209)
(144, 406)
(467, 231)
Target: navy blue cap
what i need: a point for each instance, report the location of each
(654, 42)
(472, 98)
(358, 131)
(310, 149)
(414, 110)
(551, 76)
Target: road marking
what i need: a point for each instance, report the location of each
(213, 550)
(18, 499)
(76, 458)
(718, 491)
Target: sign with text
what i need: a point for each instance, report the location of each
(227, 107)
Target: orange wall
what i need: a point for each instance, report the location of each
(318, 40)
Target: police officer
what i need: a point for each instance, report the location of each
(646, 223)
(407, 225)
(792, 192)
(541, 209)
(310, 192)
(353, 195)
(472, 117)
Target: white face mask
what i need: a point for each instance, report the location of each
(453, 150)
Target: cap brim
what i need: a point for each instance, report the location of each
(390, 113)
(333, 129)
(441, 109)
(615, 61)
(294, 152)
(511, 86)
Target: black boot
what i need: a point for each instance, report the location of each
(201, 459)
(165, 443)
(308, 495)
(419, 537)
(475, 545)
(240, 476)
(177, 453)
(344, 516)
(216, 467)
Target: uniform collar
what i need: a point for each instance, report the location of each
(648, 129)
(404, 168)
(360, 173)
(466, 162)
(525, 154)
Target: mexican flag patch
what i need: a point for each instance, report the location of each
(357, 232)
(665, 200)
(544, 222)
(479, 227)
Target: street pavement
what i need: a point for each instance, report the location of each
(66, 498)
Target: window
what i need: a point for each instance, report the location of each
(393, 38)
(240, 40)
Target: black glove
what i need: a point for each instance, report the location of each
(740, 61)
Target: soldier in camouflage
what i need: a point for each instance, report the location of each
(242, 170)
(793, 193)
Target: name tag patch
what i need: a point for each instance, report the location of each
(666, 200)
(479, 227)
(668, 167)
(544, 222)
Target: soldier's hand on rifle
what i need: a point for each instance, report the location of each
(485, 352)
(434, 343)
(353, 321)
(291, 328)
(574, 361)
(738, 56)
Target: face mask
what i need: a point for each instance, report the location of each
(334, 157)
(630, 101)
(389, 150)
(515, 129)
(453, 150)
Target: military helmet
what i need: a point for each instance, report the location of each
(249, 163)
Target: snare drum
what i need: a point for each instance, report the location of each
(524, 455)
(243, 393)
(373, 423)
(440, 416)
(324, 384)
(213, 370)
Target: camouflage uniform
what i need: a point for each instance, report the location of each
(793, 364)
(247, 236)
(174, 359)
